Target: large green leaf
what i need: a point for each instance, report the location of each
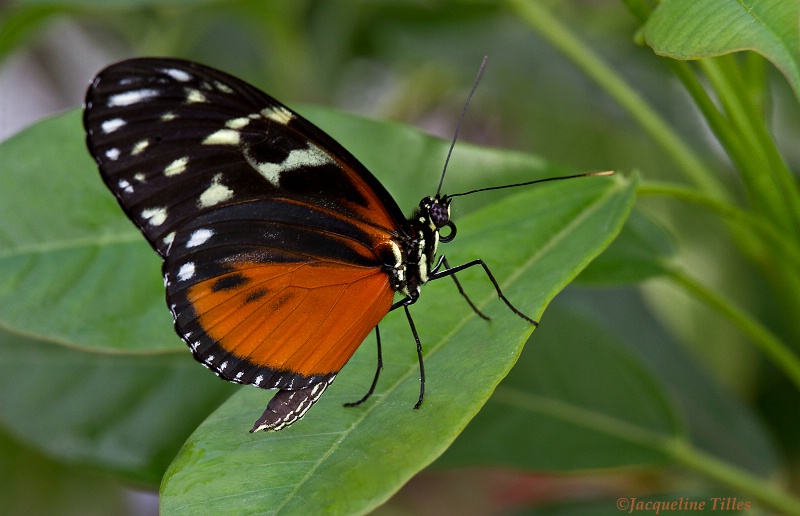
(691, 29)
(340, 460)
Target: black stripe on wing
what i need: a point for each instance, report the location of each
(270, 231)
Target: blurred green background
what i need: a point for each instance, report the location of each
(414, 62)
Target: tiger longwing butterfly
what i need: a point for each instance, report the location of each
(281, 251)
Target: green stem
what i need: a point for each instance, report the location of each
(537, 16)
(724, 131)
(767, 233)
(780, 354)
(726, 474)
(771, 185)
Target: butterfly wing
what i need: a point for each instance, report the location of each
(273, 236)
(175, 138)
(277, 302)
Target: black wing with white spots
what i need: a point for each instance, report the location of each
(175, 139)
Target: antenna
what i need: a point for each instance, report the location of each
(460, 121)
(558, 178)
(455, 137)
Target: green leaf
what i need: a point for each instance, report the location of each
(640, 252)
(590, 393)
(692, 29)
(124, 413)
(35, 485)
(90, 368)
(576, 400)
(73, 269)
(349, 460)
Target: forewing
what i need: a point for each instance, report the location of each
(175, 139)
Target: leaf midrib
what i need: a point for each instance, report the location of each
(103, 240)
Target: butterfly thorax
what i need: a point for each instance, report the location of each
(414, 255)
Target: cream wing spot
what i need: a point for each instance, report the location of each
(178, 75)
(131, 97)
(168, 239)
(224, 88)
(278, 114)
(113, 154)
(223, 137)
(109, 126)
(139, 147)
(311, 156)
(237, 123)
(125, 186)
(168, 116)
(199, 237)
(176, 167)
(186, 271)
(194, 96)
(215, 193)
(155, 216)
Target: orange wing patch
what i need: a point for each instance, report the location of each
(307, 318)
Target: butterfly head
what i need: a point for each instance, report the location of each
(435, 211)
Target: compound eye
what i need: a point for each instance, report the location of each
(449, 236)
(440, 215)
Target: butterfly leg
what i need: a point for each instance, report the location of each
(404, 303)
(419, 357)
(377, 373)
(475, 309)
(450, 271)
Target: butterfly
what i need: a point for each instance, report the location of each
(281, 251)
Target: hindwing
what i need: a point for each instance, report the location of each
(275, 293)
